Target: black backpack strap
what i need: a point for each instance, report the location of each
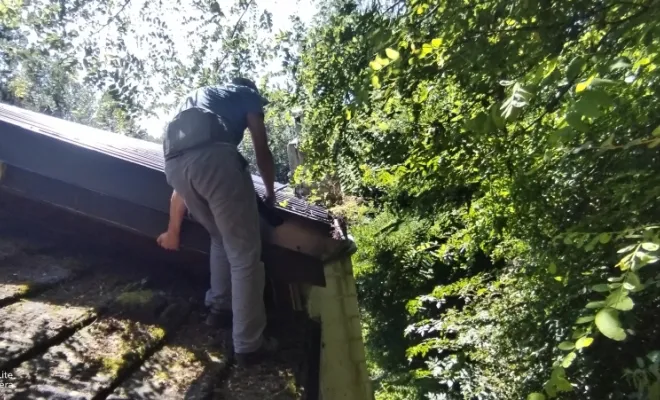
(191, 129)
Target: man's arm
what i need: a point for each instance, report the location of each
(262, 151)
(170, 239)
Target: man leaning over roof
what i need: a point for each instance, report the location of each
(211, 179)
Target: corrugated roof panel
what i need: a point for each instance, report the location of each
(133, 150)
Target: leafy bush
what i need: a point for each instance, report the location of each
(509, 152)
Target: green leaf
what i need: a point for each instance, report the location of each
(563, 385)
(654, 356)
(595, 304)
(437, 42)
(586, 319)
(558, 380)
(648, 246)
(568, 359)
(598, 97)
(423, 94)
(601, 287)
(375, 65)
(604, 237)
(619, 64)
(536, 396)
(607, 322)
(575, 68)
(578, 333)
(642, 62)
(643, 260)
(426, 49)
(625, 249)
(633, 282)
(550, 68)
(653, 144)
(620, 301)
(584, 84)
(575, 121)
(592, 244)
(375, 81)
(603, 82)
(391, 54)
(552, 268)
(656, 131)
(566, 346)
(580, 240)
(587, 108)
(584, 342)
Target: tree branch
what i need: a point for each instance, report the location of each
(113, 17)
(390, 8)
(520, 28)
(233, 32)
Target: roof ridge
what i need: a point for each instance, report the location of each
(134, 150)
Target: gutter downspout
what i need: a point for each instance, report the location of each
(343, 369)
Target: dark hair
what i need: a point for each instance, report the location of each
(240, 81)
(245, 82)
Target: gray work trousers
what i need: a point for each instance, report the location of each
(218, 191)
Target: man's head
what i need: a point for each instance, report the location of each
(240, 81)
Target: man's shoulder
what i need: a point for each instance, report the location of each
(192, 98)
(218, 98)
(223, 92)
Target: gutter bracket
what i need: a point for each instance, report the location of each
(346, 249)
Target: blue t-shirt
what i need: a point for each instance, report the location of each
(231, 103)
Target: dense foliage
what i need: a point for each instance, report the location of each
(505, 159)
(498, 162)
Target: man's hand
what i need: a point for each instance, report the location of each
(168, 240)
(269, 200)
